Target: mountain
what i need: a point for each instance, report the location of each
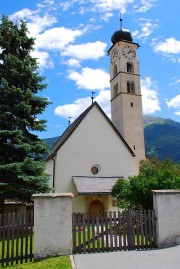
(162, 138)
(51, 141)
(147, 120)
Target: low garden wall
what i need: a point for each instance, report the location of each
(167, 210)
(52, 224)
(53, 221)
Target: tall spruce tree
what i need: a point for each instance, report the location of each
(21, 150)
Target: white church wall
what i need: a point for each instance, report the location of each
(112, 204)
(94, 142)
(78, 205)
(49, 170)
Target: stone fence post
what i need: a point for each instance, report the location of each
(166, 204)
(52, 224)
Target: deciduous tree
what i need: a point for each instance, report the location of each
(136, 192)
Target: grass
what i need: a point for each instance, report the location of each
(17, 247)
(62, 262)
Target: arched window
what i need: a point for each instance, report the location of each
(130, 68)
(128, 86)
(115, 89)
(132, 87)
(114, 70)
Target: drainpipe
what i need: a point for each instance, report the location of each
(54, 166)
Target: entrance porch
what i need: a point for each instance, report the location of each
(94, 195)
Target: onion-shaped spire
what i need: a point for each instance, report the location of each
(121, 35)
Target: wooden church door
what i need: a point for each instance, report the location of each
(95, 207)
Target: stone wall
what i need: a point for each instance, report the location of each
(52, 224)
(167, 210)
(53, 221)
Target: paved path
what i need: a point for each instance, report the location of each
(168, 258)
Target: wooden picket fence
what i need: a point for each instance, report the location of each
(113, 231)
(16, 238)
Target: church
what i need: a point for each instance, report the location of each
(94, 151)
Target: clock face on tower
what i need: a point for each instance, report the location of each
(114, 56)
(128, 52)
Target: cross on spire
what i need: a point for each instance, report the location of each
(92, 97)
(120, 21)
(69, 121)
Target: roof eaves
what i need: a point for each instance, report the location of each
(94, 193)
(118, 133)
(67, 133)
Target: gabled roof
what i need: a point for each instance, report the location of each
(94, 185)
(67, 133)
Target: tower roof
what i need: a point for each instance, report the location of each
(121, 35)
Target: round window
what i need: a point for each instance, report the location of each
(94, 170)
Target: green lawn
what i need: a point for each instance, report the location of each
(62, 262)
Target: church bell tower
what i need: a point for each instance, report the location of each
(126, 99)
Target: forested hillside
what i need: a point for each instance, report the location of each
(162, 138)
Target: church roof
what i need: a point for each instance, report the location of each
(63, 138)
(94, 185)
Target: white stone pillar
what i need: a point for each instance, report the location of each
(52, 224)
(166, 204)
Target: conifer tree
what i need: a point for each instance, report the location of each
(21, 150)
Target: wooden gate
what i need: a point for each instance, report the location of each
(113, 231)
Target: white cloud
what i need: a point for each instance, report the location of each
(100, 5)
(86, 51)
(39, 23)
(170, 48)
(56, 38)
(175, 103)
(36, 23)
(66, 5)
(103, 99)
(73, 63)
(147, 28)
(24, 13)
(49, 2)
(150, 101)
(43, 59)
(175, 82)
(79, 105)
(73, 110)
(107, 16)
(144, 5)
(170, 45)
(108, 5)
(90, 79)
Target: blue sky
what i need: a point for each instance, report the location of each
(72, 39)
